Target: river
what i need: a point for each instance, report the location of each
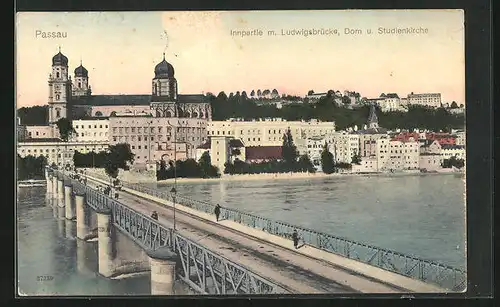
(420, 215)
(47, 247)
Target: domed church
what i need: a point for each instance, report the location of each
(74, 99)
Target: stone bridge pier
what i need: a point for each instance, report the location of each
(117, 254)
(94, 232)
(61, 211)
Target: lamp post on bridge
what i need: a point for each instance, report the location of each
(173, 191)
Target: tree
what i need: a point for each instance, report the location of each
(356, 159)
(305, 164)
(120, 154)
(454, 105)
(288, 149)
(346, 100)
(311, 92)
(266, 92)
(327, 163)
(66, 130)
(33, 116)
(275, 93)
(453, 162)
(330, 93)
(259, 93)
(252, 93)
(207, 170)
(235, 152)
(222, 96)
(111, 170)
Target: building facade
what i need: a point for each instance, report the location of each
(344, 146)
(156, 138)
(41, 132)
(397, 155)
(269, 132)
(368, 137)
(425, 99)
(460, 138)
(430, 162)
(57, 152)
(315, 146)
(448, 151)
(91, 130)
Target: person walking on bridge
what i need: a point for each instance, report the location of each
(217, 212)
(295, 238)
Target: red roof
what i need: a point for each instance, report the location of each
(263, 152)
(234, 143)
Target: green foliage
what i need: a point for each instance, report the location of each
(120, 154)
(188, 169)
(90, 159)
(327, 163)
(343, 165)
(305, 164)
(453, 162)
(235, 152)
(325, 109)
(454, 105)
(33, 116)
(288, 149)
(65, 128)
(207, 170)
(30, 167)
(111, 169)
(356, 159)
(269, 167)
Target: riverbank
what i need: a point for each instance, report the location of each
(292, 176)
(136, 177)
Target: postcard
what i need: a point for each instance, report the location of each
(240, 152)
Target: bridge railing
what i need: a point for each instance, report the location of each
(428, 271)
(198, 264)
(411, 266)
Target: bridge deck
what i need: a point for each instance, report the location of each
(300, 271)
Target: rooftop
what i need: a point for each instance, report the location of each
(263, 152)
(371, 131)
(136, 100)
(234, 143)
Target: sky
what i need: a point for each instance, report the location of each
(121, 49)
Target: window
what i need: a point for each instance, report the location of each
(79, 85)
(139, 147)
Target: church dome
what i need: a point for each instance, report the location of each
(59, 59)
(80, 71)
(164, 69)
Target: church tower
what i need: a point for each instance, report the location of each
(59, 88)
(372, 118)
(164, 91)
(81, 85)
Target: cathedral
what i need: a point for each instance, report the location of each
(73, 99)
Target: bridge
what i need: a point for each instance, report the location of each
(240, 254)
